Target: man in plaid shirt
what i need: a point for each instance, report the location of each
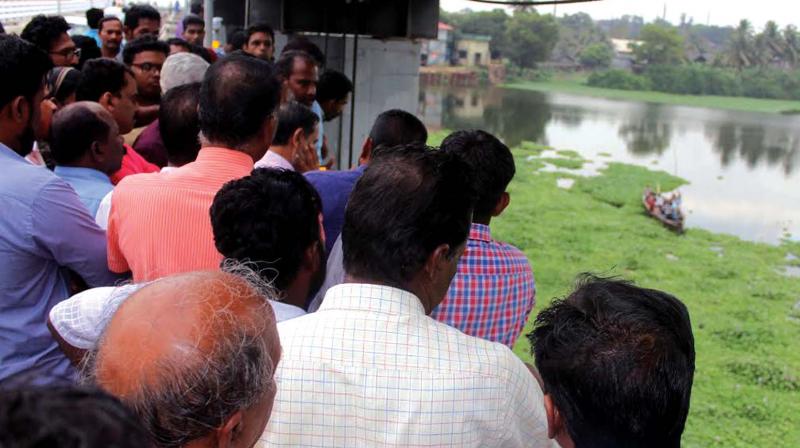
(493, 290)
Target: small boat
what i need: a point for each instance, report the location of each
(654, 212)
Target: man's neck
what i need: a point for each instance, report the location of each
(284, 151)
(109, 53)
(409, 288)
(247, 148)
(484, 221)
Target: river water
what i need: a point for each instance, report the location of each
(743, 168)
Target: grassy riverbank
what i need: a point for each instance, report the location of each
(577, 86)
(746, 324)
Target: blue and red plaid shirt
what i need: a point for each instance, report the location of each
(492, 292)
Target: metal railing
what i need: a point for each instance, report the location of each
(20, 10)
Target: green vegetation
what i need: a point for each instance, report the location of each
(701, 79)
(747, 385)
(575, 86)
(661, 45)
(596, 56)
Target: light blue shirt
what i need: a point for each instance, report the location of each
(95, 34)
(317, 109)
(91, 185)
(44, 230)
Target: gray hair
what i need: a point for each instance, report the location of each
(182, 68)
(193, 395)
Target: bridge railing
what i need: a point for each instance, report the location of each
(20, 10)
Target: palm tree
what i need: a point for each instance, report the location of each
(791, 43)
(773, 43)
(741, 46)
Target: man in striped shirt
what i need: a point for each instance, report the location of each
(493, 291)
(159, 223)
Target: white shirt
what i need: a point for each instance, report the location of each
(371, 369)
(274, 160)
(82, 319)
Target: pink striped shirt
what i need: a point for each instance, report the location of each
(159, 223)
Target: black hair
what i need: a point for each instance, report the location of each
(43, 31)
(196, 6)
(397, 127)
(105, 19)
(180, 42)
(305, 45)
(89, 49)
(291, 117)
(259, 28)
(93, 17)
(269, 219)
(22, 69)
(2, 28)
(238, 94)
(142, 44)
(192, 19)
(138, 12)
(178, 123)
(333, 85)
(67, 417)
(62, 82)
(101, 76)
(73, 131)
(491, 162)
(618, 362)
(237, 38)
(201, 51)
(406, 204)
(285, 64)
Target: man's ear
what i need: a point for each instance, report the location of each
(269, 128)
(229, 431)
(96, 150)
(556, 427)
(20, 110)
(437, 260)
(366, 151)
(105, 100)
(501, 205)
(297, 138)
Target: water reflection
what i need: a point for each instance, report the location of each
(742, 167)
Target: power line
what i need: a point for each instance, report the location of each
(532, 2)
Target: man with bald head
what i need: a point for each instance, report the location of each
(194, 355)
(87, 148)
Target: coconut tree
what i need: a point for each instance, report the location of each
(791, 48)
(741, 46)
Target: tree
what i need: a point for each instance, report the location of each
(791, 46)
(741, 46)
(660, 45)
(530, 37)
(576, 32)
(597, 56)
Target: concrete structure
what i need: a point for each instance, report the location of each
(472, 50)
(375, 43)
(438, 51)
(623, 53)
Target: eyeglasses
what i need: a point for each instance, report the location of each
(148, 67)
(67, 52)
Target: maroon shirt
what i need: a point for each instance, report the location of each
(150, 146)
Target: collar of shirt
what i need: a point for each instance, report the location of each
(212, 157)
(372, 298)
(480, 232)
(10, 154)
(75, 172)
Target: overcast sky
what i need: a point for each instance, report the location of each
(721, 12)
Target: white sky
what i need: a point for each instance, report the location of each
(722, 12)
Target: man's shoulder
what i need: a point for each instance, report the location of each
(506, 252)
(333, 176)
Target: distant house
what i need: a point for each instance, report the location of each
(623, 53)
(438, 51)
(472, 50)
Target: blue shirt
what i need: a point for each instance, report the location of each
(317, 109)
(44, 228)
(91, 185)
(94, 34)
(334, 188)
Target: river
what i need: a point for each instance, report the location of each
(743, 168)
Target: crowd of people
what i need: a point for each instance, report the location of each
(179, 268)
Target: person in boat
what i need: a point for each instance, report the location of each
(649, 199)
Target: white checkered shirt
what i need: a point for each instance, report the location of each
(371, 369)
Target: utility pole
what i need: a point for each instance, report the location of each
(664, 17)
(208, 16)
